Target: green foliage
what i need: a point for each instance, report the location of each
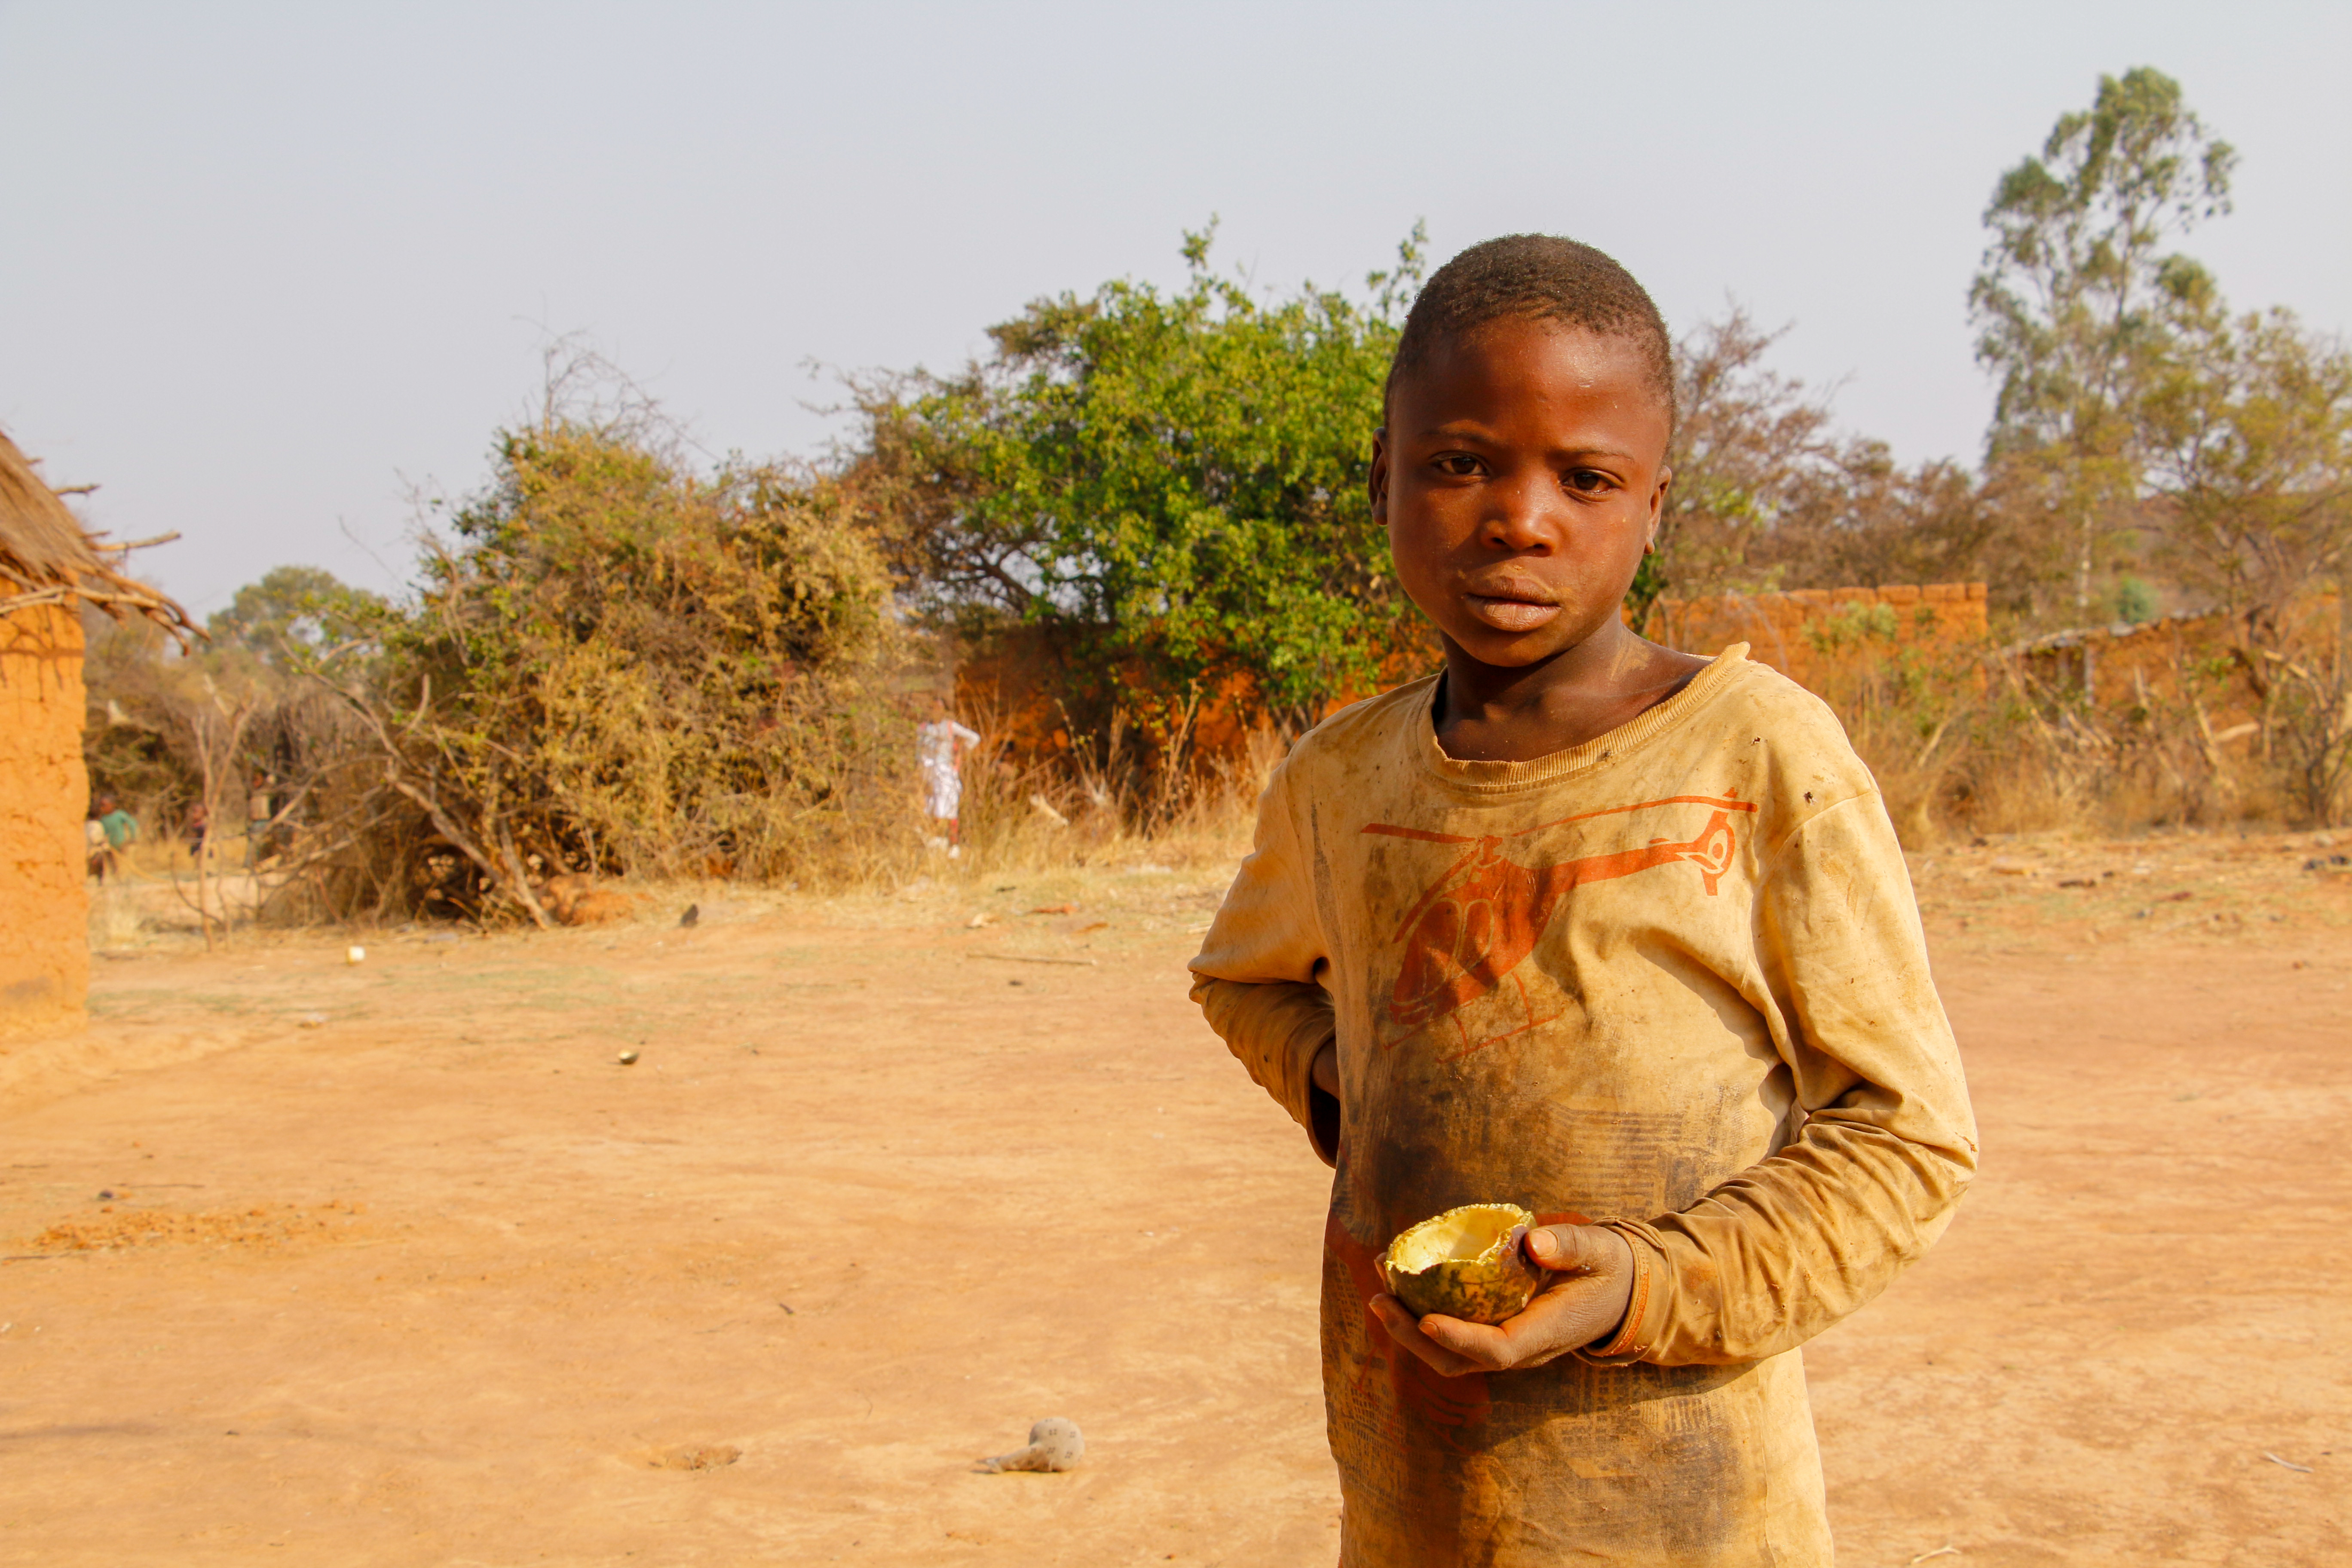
(2074, 299)
(290, 616)
(2134, 601)
(1853, 625)
(2250, 428)
(2070, 300)
(1172, 483)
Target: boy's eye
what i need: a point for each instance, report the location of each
(1589, 480)
(1457, 465)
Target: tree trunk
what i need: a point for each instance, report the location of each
(204, 845)
(2082, 600)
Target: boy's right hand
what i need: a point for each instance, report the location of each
(1583, 1303)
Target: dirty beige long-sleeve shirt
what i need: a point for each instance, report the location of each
(1673, 980)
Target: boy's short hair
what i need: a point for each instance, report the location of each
(1536, 276)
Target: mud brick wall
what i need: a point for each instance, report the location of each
(2182, 660)
(1774, 626)
(2129, 662)
(44, 798)
(1009, 689)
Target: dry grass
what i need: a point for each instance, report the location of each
(1171, 811)
(1966, 744)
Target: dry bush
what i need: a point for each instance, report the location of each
(620, 664)
(617, 663)
(1969, 742)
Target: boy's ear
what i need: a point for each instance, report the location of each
(1657, 508)
(1376, 484)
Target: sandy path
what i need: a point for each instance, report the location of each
(495, 1278)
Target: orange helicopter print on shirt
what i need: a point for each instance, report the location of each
(1464, 938)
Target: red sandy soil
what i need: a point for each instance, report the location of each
(438, 1281)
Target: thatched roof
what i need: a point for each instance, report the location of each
(46, 559)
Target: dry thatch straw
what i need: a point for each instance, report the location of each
(46, 559)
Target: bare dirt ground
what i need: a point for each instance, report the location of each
(395, 1263)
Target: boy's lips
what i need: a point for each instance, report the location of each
(1510, 611)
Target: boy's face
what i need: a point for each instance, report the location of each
(1520, 478)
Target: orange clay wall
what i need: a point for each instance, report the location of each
(2145, 665)
(2148, 655)
(44, 797)
(1008, 690)
(1942, 614)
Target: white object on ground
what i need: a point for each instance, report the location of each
(355, 955)
(1054, 1444)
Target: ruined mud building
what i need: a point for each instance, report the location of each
(49, 569)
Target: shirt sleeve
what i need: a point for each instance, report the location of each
(1887, 1141)
(968, 737)
(1256, 978)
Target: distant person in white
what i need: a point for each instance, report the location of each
(940, 746)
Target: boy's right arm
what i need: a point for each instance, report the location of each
(1255, 977)
(1277, 1030)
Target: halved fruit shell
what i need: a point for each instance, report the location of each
(1466, 1264)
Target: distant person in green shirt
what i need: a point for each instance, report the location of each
(121, 831)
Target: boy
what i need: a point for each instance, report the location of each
(1615, 933)
(118, 829)
(939, 746)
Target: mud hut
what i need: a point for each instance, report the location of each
(49, 570)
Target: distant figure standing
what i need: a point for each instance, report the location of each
(199, 829)
(119, 829)
(256, 820)
(939, 746)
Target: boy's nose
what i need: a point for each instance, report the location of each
(1521, 517)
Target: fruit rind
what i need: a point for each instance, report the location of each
(1464, 1263)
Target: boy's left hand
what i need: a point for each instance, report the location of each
(1585, 1304)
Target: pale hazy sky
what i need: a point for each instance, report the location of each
(262, 266)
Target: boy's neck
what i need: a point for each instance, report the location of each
(1498, 714)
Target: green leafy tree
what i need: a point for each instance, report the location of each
(289, 615)
(2253, 437)
(2073, 299)
(2252, 453)
(1171, 483)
